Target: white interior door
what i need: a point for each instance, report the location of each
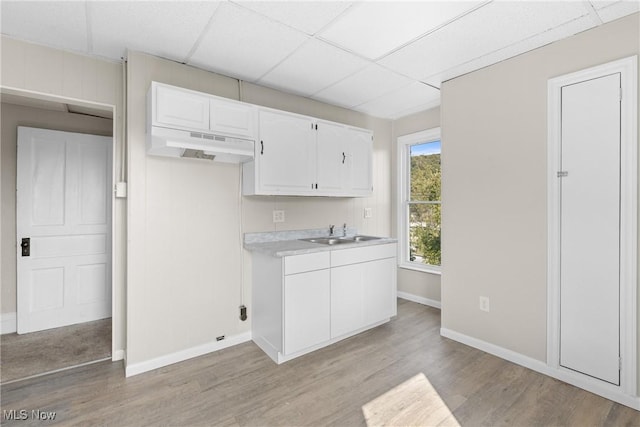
(590, 228)
(63, 204)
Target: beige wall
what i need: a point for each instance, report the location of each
(185, 258)
(417, 283)
(48, 73)
(12, 116)
(494, 130)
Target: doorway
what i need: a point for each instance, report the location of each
(63, 346)
(592, 215)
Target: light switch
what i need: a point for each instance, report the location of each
(368, 213)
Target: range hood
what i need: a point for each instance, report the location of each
(200, 145)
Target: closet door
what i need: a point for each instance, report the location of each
(590, 228)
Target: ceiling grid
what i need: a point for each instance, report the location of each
(383, 58)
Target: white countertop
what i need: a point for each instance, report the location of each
(283, 248)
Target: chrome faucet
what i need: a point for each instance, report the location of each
(331, 227)
(344, 230)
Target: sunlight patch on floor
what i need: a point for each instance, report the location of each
(413, 403)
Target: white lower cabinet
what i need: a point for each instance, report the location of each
(306, 310)
(305, 302)
(361, 294)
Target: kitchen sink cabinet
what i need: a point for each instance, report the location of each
(304, 156)
(306, 310)
(304, 302)
(363, 287)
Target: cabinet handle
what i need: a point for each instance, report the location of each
(316, 186)
(261, 147)
(343, 157)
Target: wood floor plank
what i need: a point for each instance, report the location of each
(401, 373)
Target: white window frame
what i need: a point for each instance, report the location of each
(404, 146)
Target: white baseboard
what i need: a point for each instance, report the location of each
(8, 323)
(419, 299)
(592, 385)
(118, 355)
(158, 362)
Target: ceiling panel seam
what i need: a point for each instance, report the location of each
(431, 31)
(202, 35)
(334, 20)
(289, 55)
(385, 94)
(473, 69)
(592, 12)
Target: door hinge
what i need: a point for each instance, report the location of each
(619, 363)
(620, 95)
(562, 174)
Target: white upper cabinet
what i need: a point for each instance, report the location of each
(360, 149)
(332, 153)
(176, 107)
(302, 156)
(285, 161)
(232, 118)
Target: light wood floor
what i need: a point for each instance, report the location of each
(401, 373)
(22, 356)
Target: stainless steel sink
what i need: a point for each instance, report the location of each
(359, 238)
(327, 240)
(340, 240)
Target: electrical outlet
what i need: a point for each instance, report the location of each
(484, 304)
(278, 216)
(368, 213)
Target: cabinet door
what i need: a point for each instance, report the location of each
(181, 108)
(347, 304)
(332, 155)
(360, 158)
(380, 290)
(306, 310)
(362, 294)
(232, 118)
(285, 154)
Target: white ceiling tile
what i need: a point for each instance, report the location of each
(618, 9)
(306, 16)
(373, 29)
(60, 24)
(490, 28)
(313, 67)
(536, 41)
(240, 43)
(365, 85)
(168, 29)
(415, 97)
(599, 4)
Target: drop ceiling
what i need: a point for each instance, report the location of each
(387, 59)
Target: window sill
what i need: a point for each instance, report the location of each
(430, 269)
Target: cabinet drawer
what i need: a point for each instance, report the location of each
(362, 254)
(307, 262)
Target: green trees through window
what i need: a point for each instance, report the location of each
(424, 203)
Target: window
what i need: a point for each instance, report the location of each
(419, 204)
